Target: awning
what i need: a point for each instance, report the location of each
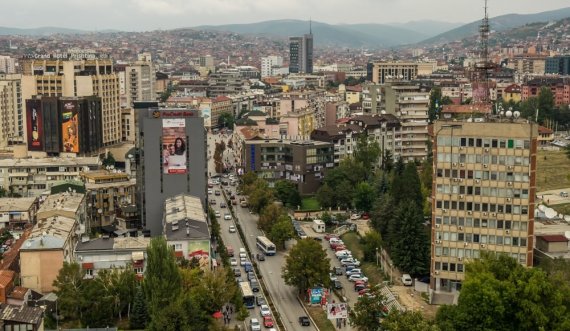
(87, 266)
(179, 254)
(138, 256)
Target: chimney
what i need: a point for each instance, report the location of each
(187, 232)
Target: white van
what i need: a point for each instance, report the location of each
(242, 253)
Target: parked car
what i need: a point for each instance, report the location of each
(228, 216)
(242, 261)
(254, 325)
(337, 285)
(260, 300)
(250, 275)
(564, 194)
(254, 285)
(209, 191)
(355, 277)
(222, 205)
(304, 321)
(268, 321)
(217, 192)
(237, 272)
(217, 213)
(260, 257)
(233, 261)
(264, 310)
(332, 277)
(349, 260)
(355, 216)
(232, 229)
(407, 280)
(353, 271)
(329, 236)
(338, 271)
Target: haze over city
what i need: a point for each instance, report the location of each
(140, 15)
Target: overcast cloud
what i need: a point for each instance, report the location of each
(138, 15)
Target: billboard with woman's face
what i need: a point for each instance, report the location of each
(70, 127)
(174, 146)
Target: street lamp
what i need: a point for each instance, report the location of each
(376, 256)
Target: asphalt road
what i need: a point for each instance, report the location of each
(284, 296)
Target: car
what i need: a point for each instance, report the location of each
(232, 229)
(260, 300)
(340, 248)
(234, 202)
(260, 257)
(365, 216)
(564, 194)
(264, 310)
(268, 321)
(355, 277)
(360, 286)
(337, 285)
(332, 277)
(250, 275)
(247, 266)
(209, 191)
(329, 236)
(217, 192)
(254, 285)
(237, 272)
(254, 325)
(239, 280)
(304, 321)
(210, 185)
(349, 260)
(353, 271)
(233, 261)
(407, 280)
(363, 291)
(317, 238)
(242, 261)
(227, 216)
(217, 213)
(338, 271)
(222, 205)
(212, 202)
(355, 216)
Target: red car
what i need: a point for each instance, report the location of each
(339, 248)
(363, 291)
(365, 216)
(268, 322)
(328, 236)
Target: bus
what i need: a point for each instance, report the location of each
(266, 246)
(247, 294)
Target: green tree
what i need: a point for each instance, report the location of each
(371, 243)
(366, 313)
(325, 196)
(307, 265)
(383, 216)
(109, 160)
(69, 288)
(3, 192)
(288, 193)
(98, 309)
(436, 101)
(367, 153)
(162, 281)
(173, 317)
(410, 252)
(138, 318)
(214, 290)
(260, 195)
(269, 216)
(567, 151)
(408, 186)
(119, 285)
(226, 120)
(363, 197)
(282, 231)
(407, 321)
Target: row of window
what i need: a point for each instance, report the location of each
(482, 207)
(509, 176)
(483, 191)
(507, 160)
(483, 142)
(472, 254)
(478, 239)
(482, 223)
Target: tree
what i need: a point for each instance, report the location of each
(383, 216)
(387, 161)
(226, 120)
(363, 197)
(367, 153)
(282, 231)
(269, 216)
(162, 281)
(138, 319)
(407, 321)
(214, 290)
(119, 285)
(109, 160)
(325, 196)
(366, 313)
(2, 192)
(371, 244)
(567, 151)
(436, 101)
(407, 186)
(98, 310)
(410, 252)
(173, 317)
(260, 195)
(307, 265)
(70, 286)
(288, 193)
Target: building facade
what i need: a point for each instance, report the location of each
(270, 62)
(558, 65)
(7, 65)
(77, 75)
(483, 195)
(11, 109)
(304, 163)
(301, 54)
(384, 71)
(18, 213)
(172, 145)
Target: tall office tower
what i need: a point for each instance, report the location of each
(11, 110)
(139, 82)
(76, 75)
(483, 195)
(173, 159)
(301, 54)
(7, 65)
(268, 63)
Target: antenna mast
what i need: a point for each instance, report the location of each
(483, 66)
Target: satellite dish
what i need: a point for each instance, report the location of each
(541, 208)
(501, 113)
(550, 213)
(517, 114)
(383, 112)
(567, 234)
(509, 114)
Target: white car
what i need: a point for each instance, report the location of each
(349, 260)
(354, 216)
(353, 272)
(264, 310)
(356, 277)
(218, 214)
(232, 229)
(233, 261)
(254, 325)
(227, 216)
(407, 280)
(332, 277)
(242, 261)
(209, 191)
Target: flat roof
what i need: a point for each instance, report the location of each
(119, 243)
(182, 207)
(67, 202)
(553, 238)
(50, 161)
(16, 204)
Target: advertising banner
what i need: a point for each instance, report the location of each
(174, 146)
(200, 250)
(70, 127)
(337, 310)
(34, 123)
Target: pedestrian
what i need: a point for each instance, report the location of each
(231, 309)
(344, 321)
(227, 307)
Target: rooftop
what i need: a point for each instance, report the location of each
(16, 204)
(51, 233)
(184, 218)
(119, 243)
(21, 314)
(50, 161)
(553, 238)
(67, 202)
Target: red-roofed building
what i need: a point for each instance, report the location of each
(464, 111)
(6, 284)
(556, 243)
(545, 135)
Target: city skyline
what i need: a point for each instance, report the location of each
(141, 15)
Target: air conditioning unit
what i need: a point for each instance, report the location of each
(486, 150)
(438, 241)
(455, 179)
(494, 214)
(469, 212)
(483, 245)
(484, 213)
(444, 210)
(465, 244)
(461, 196)
(462, 164)
(507, 231)
(508, 199)
(460, 228)
(461, 179)
(485, 166)
(459, 259)
(461, 148)
(454, 164)
(510, 183)
(437, 272)
(437, 225)
(477, 181)
(510, 167)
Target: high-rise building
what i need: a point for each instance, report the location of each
(554, 65)
(11, 110)
(385, 71)
(139, 82)
(172, 159)
(483, 195)
(301, 54)
(76, 75)
(268, 63)
(7, 65)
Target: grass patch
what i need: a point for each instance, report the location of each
(373, 272)
(320, 317)
(552, 170)
(563, 209)
(310, 203)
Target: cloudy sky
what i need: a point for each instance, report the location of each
(138, 15)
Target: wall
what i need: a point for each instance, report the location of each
(40, 268)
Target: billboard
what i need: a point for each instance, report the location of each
(337, 310)
(34, 125)
(200, 250)
(70, 127)
(174, 146)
